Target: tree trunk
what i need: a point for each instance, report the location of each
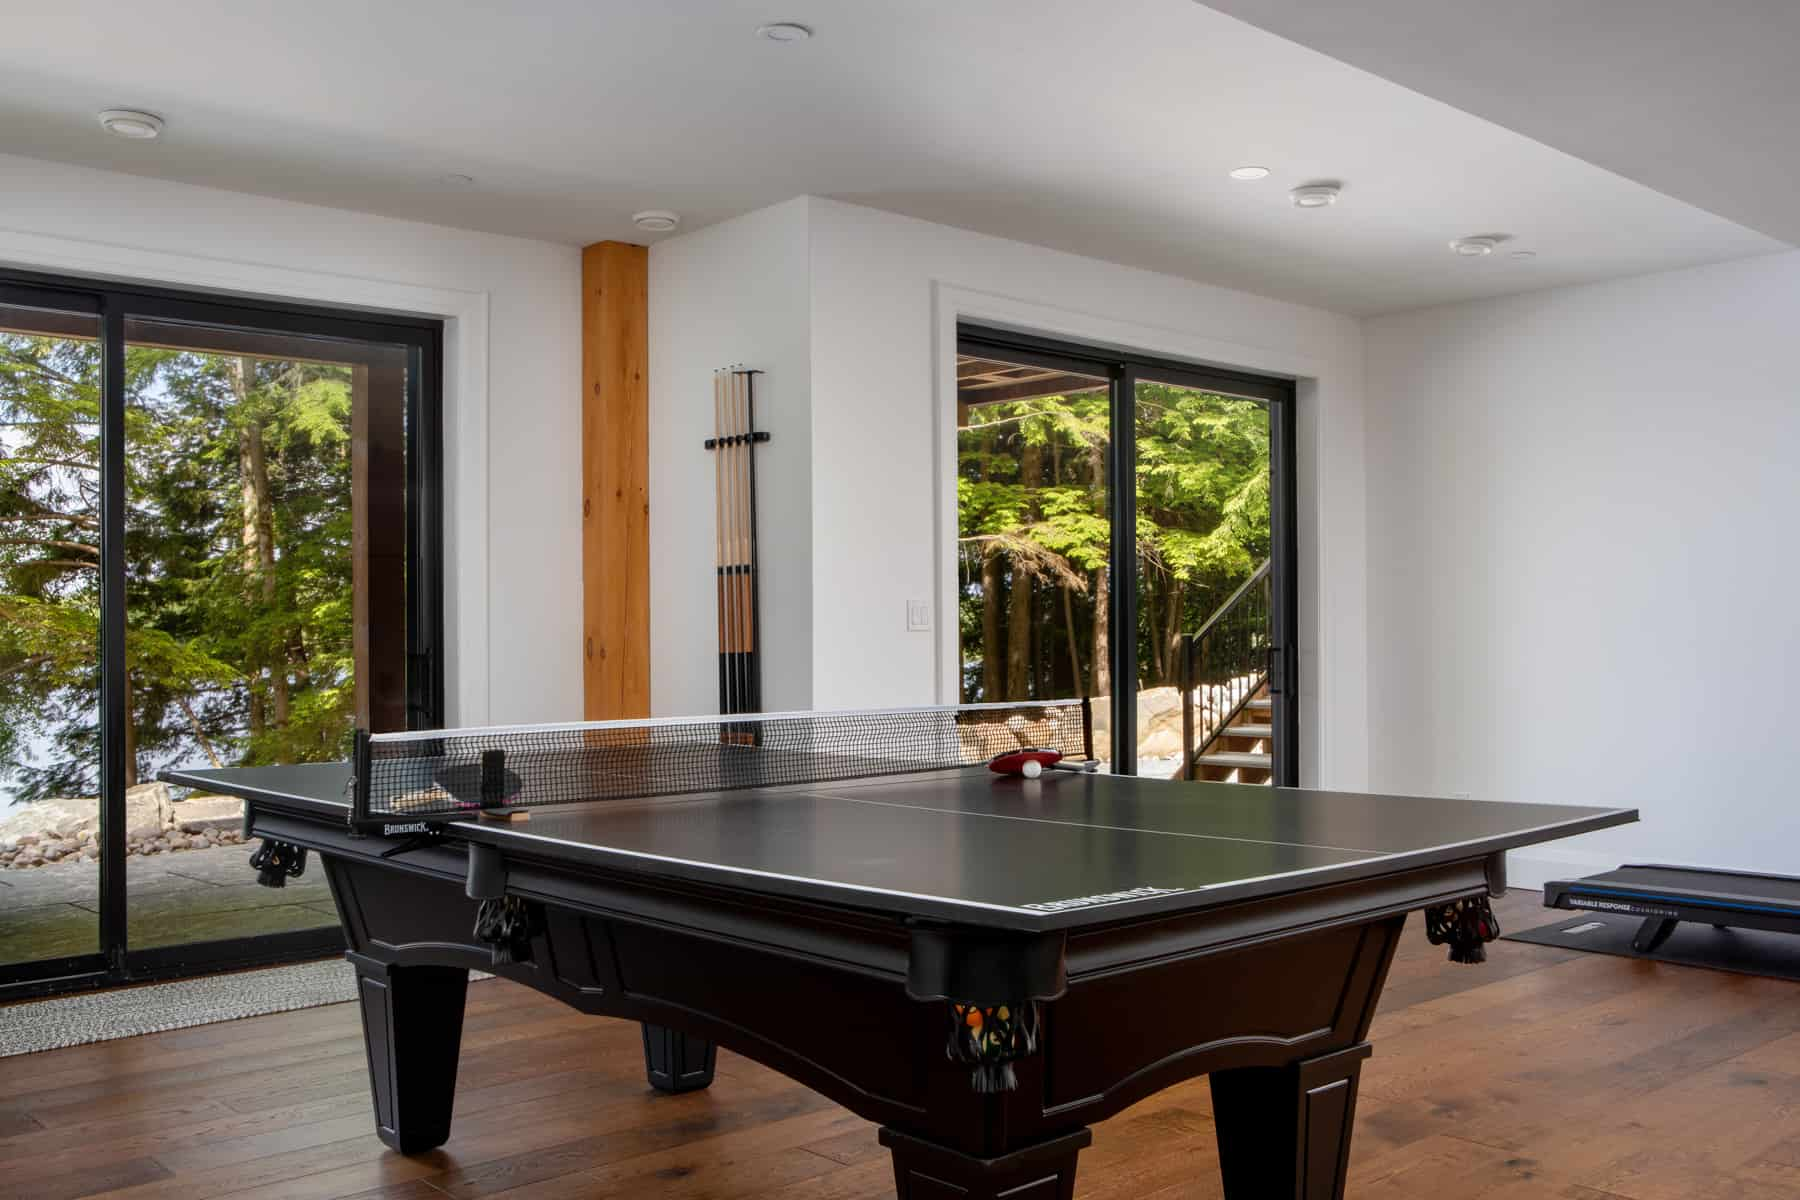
(1102, 657)
(259, 542)
(1018, 634)
(991, 678)
(1172, 633)
(1068, 603)
(199, 731)
(1148, 614)
(1021, 596)
(131, 738)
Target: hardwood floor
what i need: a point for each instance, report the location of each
(1544, 1073)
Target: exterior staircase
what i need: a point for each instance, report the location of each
(1228, 716)
(1244, 749)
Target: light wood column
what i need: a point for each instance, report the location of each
(615, 474)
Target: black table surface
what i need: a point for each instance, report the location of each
(1061, 851)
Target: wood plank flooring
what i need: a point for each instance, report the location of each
(1543, 1074)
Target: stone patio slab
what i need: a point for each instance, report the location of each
(186, 896)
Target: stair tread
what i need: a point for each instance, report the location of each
(1237, 758)
(1261, 705)
(1248, 730)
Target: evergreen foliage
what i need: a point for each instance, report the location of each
(1034, 531)
(238, 568)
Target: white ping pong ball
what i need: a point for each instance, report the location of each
(1032, 769)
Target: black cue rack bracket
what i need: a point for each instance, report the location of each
(734, 441)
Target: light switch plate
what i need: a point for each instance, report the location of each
(918, 616)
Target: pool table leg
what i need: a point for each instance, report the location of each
(677, 1062)
(1284, 1132)
(412, 1029)
(926, 1171)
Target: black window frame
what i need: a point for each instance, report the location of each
(114, 303)
(1124, 369)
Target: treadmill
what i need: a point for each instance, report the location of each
(1665, 896)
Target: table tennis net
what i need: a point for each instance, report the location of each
(449, 774)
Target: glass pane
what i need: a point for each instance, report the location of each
(265, 596)
(50, 367)
(1203, 532)
(1033, 529)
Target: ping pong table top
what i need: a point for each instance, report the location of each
(1066, 850)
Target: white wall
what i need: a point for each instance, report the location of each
(733, 293)
(513, 460)
(1582, 570)
(886, 294)
(852, 312)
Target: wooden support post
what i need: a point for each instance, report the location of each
(378, 539)
(615, 472)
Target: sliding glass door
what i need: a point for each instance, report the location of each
(1033, 555)
(50, 368)
(231, 557)
(1180, 586)
(1204, 544)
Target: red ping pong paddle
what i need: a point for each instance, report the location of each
(1027, 761)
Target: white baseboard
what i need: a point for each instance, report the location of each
(1535, 867)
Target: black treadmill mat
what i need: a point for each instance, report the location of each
(1741, 951)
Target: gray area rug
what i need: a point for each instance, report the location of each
(152, 1008)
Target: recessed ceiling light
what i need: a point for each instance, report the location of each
(1316, 195)
(783, 31)
(132, 124)
(1248, 173)
(655, 220)
(1523, 254)
(1478, 246)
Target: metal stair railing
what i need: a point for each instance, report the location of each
(1224, 666)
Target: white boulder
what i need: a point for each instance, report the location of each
(147, 808)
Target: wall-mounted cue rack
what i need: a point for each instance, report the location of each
(734, 441)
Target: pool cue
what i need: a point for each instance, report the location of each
(740, 558)
(719, 535)
(727, 449)
(752, 563)
(734, 600)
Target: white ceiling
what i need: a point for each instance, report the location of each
(1698, 100)
(1100, 129)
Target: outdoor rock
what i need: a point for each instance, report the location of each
(1159, 722)
(147, 807)
(201, 814)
